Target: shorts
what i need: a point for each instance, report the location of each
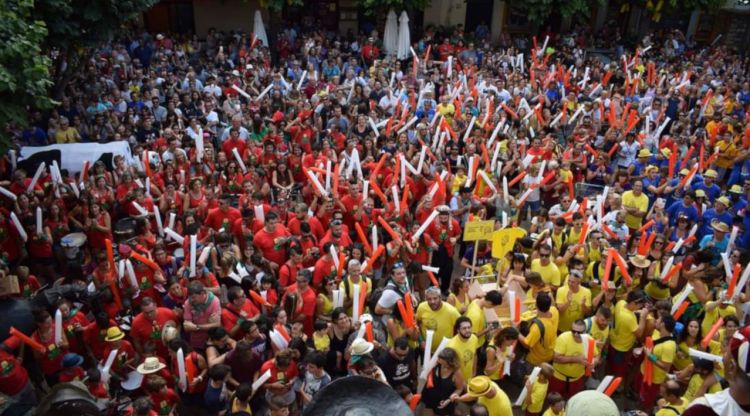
(647, 395)
(619, 362)
(567, 389)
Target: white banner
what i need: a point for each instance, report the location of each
(73, 155)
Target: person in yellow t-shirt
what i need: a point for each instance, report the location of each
(715, 310)
(465, 344)
(499, 351)
(536, 286)
(546, 267)
(556, 405)
(537, 392)
(436, 315)
(671, 402)
(573, 300)
(459, 179)
(569, 361)
(703, 381)
(627, 329)
(635, 204)
(488, 394)
(661, 358)
(597, 327)
(475, 312)
(542, 332)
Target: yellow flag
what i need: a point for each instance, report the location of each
(504, 240)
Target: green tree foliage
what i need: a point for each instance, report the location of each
(77, 27)
(378, 6)
(24, 75)
(278, 5)
(540, 10)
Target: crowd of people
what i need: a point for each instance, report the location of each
(288, 216)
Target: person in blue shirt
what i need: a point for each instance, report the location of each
(685, 208)
(711, 189)
(737, 201)
(651, 185)
(638, 169)
(717, 213)
(673, 191)
(717, 242)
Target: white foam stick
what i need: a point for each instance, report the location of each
(505, 190)
(39, 225)
(121, 269)
(317, 183)
(335, 257)
(241, 91)
(396, 199)
(495, 154)
(525, 195)
(470, 175)
(260, 213)
(727, 265)
(302, 79)
(139, 183)
(393, 78)
(512, 302)
(408, 124)
(365, 188)
(667, 268)
(661, 127)
(265, 91)
(234, 276)
(402, 168)
(678, 246)
(681, 297)
(19, 227)
(693, 230)
(422, 228)
(420, 164)
(261, 380)
(374, 127)
(743, 279)
(431, 269)
(595, 90)
(527, 160)
(355, 303)
(532, 378)
(351, 92)
(199, 145)
(140, 209)
(193, 250)
(532, 133)
(433, 358)
(204, 255)
(469, 127)
(58, 327)
(182, 177)
(374, 236)
(505, 219)
(488, 181)
(148, 187)
(506, 361)
(705, 356)
(541, 169)
(172, 218)
(8, 193)
(337, 298)
(107, 367)
(682, 84)
(495, 131)
(236, 154)
(278, 340)
(606, 381)
(159, 225)
(182, 374)
(430, 334)
(450, 66)
(556, 120)
(131, 274)
(36, 177)
(56, 175)
(575, 115)
(286, 84)
(732, 238)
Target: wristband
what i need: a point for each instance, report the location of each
(652, 357)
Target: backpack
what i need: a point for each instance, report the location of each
(525, 327)
(377, 293)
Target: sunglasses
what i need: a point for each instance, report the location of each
(544, 255)
(576, 332)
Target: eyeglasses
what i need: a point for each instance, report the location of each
(576, 332)
(544, 255)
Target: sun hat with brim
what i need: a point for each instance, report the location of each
(700, 193)
(640, 261)
(644, 153)
(684, 172)
(150, 365)
(711, 174)
(444, 209)
(479, 386)
(71, 360)
(114, 334)
(720, 226)
(724, 200)
(735, 189)
(361, 347)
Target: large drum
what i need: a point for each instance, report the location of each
(125, 229)
(72, 244)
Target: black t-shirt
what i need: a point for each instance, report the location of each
(397, 372)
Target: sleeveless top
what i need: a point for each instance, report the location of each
(441, 389)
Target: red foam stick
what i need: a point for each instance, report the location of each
(683, 307)
(613, 150)
(433, 279)
(590, 355)
(733, 281)
(409, 308)
(607, 271)
(375, 255)
(257, 298)
(368, 332)
(584, 231)
(387, 227)
(517, 179)
(548, 177)
(509, 111)
(517, 310)
(648, 365)
(609, 231)
(143, 259)
(613, 386)
(715, 328)
(672, 163)
(671, 273)
(27, 340)
(591, 150)
(362, 238)
(669, 247)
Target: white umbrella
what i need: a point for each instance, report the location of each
(259, 30)
(404, 37)
(390, 37)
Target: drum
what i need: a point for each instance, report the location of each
(125, 229)
(72, 244)
(133, 382)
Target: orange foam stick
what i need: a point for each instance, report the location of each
(404, 198)
(414, 67)
(409, 308)
(590, 355)
(733, 282)
(427, 54)
(433, 279)
(701, 156)
(414, 402)
(374, 258)
(684, 180)
(146, 166)
(671, 273)
(282, 331)
(711, 159)
(607, 76)
(378, 166)
(539, 117)
(548, 177)
(613, 150)
(429, 152)
(609, 231)
(150, 263)
(379, 192)
(583, 206)
(517, 310)
(485, 156)
(672, 164)
(584, 231)
(368, 332)
(613, 386)
(429, 384)
(342, 263)
(402, 311)
(612, 116)
(362, 296)
(631, 124)
(27, 340)
(110, 253)
(669, 247)
(387, 227)
(509, 111)
(362, 238)
(683, 307)
(715, 328)
(571, 188)
(115, 293)
(336, 180)
(648, 365)
(591, 150)
(257, 298)
(623, 267)
(624, 115)
(517, 179)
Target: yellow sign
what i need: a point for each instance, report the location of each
(479, 230)
(504, 240)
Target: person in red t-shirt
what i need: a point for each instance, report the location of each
(165, 400)
(14, 382)
(148, 324)
(125, 358)
(223, 216)
(324, 266)
(337, 236)
(288, 271)
(301, 215)
(444, 232)
(305, 310)
(71, 368)
(234, 142)
(284, 373)
(271, 241)
(238, 310)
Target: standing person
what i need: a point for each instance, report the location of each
(399, 365)
(305, 295)
(635, 203)
(627, 329)
(393, 291)
(466, 344)
(542, 332)
(447, 381)
(315, 377)
(436, 315)
(202, 312)
(569, 361)
(147, 326)
(661, 357)
(14, 383)
(444, 233)
(573, 302)
(280, 387)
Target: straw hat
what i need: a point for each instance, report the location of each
(360, 346)
(720, 226)
(640, 261)
(479, 386)
(735, 189)
(114, 334)
(644, 153)
(724, 200)
(150, 365)
(711, 174)
(700, 193)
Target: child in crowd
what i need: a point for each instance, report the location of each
(537, 392)
(556, 405)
